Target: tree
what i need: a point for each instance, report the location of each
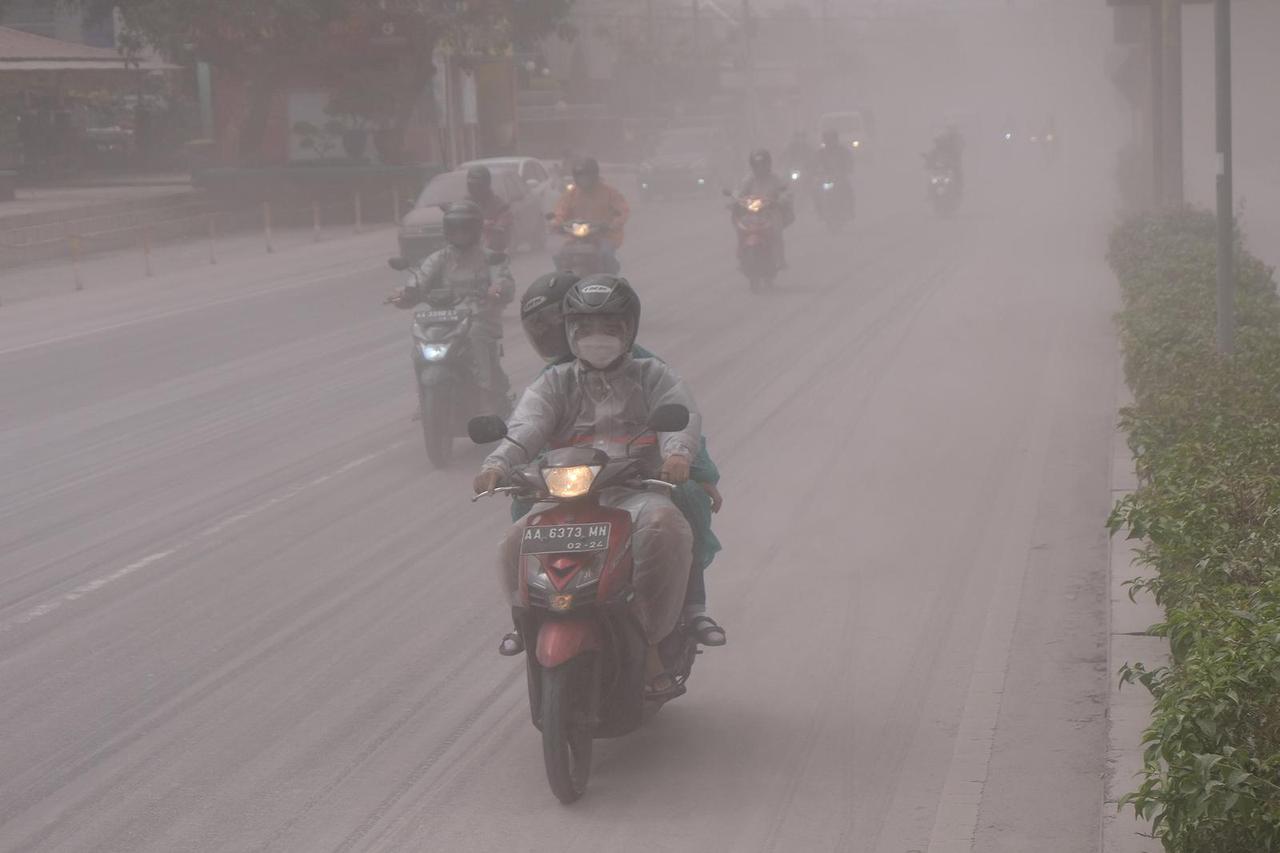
(268, 41)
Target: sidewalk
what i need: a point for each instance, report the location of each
(228, 253)
(1128, 709)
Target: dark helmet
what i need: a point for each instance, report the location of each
(761, 162)
(586, 172)
(479, 180)
(463, 222)
(604, 296)
(541, 314)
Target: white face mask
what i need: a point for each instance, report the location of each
(599, 351)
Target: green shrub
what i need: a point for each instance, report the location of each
(1205, 432)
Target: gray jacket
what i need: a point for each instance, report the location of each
(471, 273)
(569, 405)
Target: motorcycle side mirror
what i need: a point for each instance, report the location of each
(486, 429)
(670, 417)
(398, 264)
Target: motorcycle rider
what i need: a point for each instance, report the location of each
(762, 182)
(498, 219)
(464, 266)
(835, 163)
(543, 322)
(602, 398)
(592, 200)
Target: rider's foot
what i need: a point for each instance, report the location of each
(707, 630)
(512, 644)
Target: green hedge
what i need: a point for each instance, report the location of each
(1205, 432)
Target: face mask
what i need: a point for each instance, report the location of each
(599, 351)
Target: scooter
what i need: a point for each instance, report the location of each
(585, 650)
(582, 253)
(443, 365)
(756, 226)
(835, 203)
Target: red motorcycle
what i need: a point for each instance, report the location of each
(756, 222)
(585, 651)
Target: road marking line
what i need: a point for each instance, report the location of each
(955, 824)
(211, 531)
(175, 312)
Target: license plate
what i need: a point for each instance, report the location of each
(565, 538)
(439, 316)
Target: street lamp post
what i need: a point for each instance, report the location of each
(1226, 216)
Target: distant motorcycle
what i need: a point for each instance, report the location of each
(444, 366)
(585, 653)
(834, 201)
(756, 225)
(944, 190)
(582, 252)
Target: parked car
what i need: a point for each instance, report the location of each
(422, 228)
(686, 161)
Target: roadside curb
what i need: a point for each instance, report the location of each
(1128, 709)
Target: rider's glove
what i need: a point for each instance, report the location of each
(487, 480)
(405, 297)
(675, 469)
(717, 499)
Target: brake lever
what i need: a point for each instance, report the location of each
(498, 490)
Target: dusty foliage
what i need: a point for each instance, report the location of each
(1206, 434)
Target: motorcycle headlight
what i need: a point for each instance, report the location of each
(857, 143)
(828, 185)
(755, 204)
(433, 352)
(580, 229)
(572, 482)
(795, 176)
(702, 182)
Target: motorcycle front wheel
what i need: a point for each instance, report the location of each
(437, 432)
(566, 734)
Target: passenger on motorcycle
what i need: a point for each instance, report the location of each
(498, 219)
(592, 200)
(602, 399)
(762, 182)
(698, 499)
(464, 266)
(835, 163)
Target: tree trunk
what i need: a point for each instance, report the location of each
(253, 130)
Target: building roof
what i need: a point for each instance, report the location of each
(22, 51)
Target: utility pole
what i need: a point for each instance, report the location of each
(1226, 216)
(1155, 44)
(1171, 64)
(749, 60)
(697, 48)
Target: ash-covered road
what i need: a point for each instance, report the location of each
(239, 611)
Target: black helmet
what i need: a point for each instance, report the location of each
(541, 314)
(603, 296)
(479, 180)
(586, 172)
(463, 222)
(761, 162)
